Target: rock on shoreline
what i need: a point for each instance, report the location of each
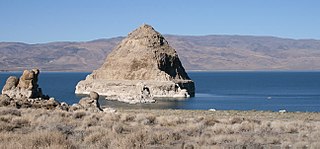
(142, 67)
(25, 93)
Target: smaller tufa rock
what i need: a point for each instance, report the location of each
(90, 103)
(11, 83)
(94, 95)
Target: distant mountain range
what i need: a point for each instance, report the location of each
(212, 52)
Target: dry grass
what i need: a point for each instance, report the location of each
(37, 128)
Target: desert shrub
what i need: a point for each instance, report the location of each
(197, 119)
(112, 117)
(188, 145)
(245, 126)
(20, 122)
(221, 128)
(90, 121)
(8, 123)
(5, 119)
(64, 114)
(236, 120)
(192, 130)
(291, 128)
(64, 129)
(301, 145)
(43, 139)
(10, 111)
(157, 138)
(118, 128)
(315, 135)
(170, 120)
(150, 119)
(315, 145)
(137, 139)
(224, 139)
(273, 139)
(146, 119)
(6, 127)
(77, 136)
(127, 117)
(286, 145)
(265, 127)
(255, 121)
(210, 121)
(97, 139)
(79, 114)
(39, 113)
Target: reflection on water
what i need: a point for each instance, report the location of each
(159, 104)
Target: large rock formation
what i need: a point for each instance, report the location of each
(143, 66)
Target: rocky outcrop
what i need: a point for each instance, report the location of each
(140, 69)
(25, 87)
(25, 93)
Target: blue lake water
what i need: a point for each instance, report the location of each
(293, 91)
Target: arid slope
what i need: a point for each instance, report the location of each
(212, 52)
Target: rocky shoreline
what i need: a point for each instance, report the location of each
(24, 92)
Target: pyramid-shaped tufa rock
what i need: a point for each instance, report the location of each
(141, 67)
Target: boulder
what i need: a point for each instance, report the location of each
(90, 103)
(141, 68)
(94, 95)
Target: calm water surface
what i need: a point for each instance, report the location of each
(293, 91)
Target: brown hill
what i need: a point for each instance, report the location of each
(213, 52)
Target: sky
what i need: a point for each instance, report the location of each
(40, 21)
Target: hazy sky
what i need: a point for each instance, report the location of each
(37, 21)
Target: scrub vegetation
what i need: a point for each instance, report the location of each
(39, 128)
